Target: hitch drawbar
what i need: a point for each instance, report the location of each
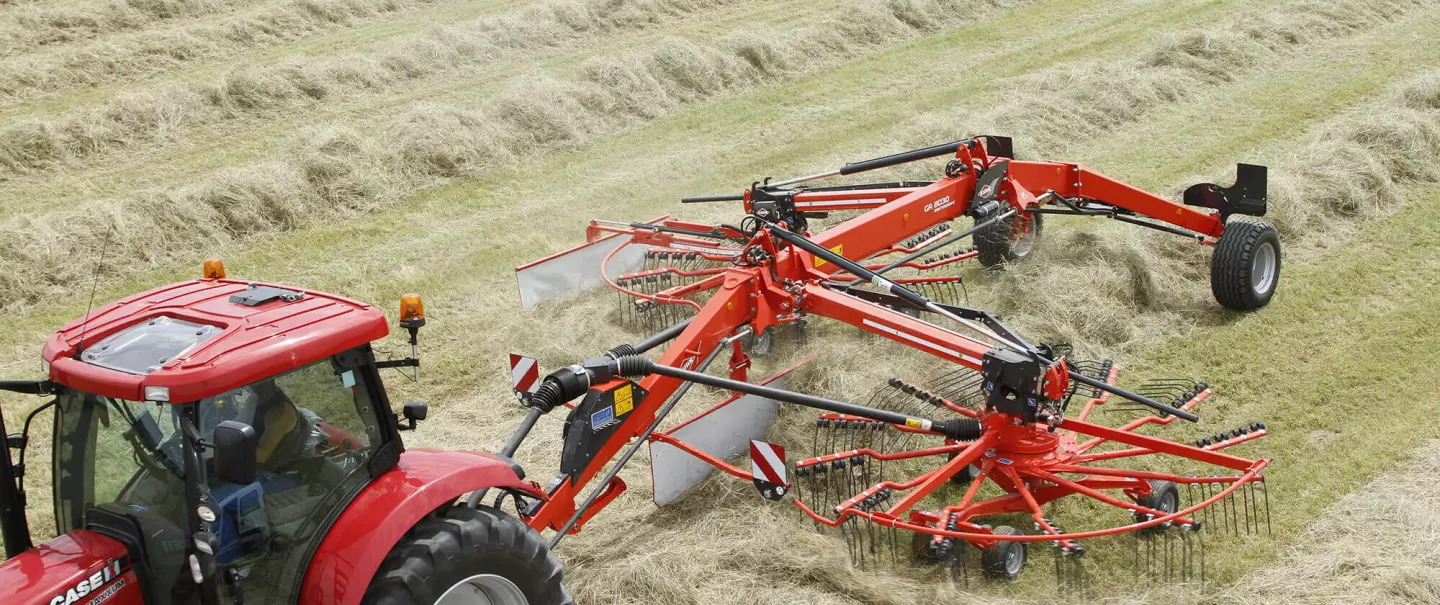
(570, 382)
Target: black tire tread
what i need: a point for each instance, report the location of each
(1157, 488)
(445, 548)
(1232, 263)
(992, 560)
(994, 245)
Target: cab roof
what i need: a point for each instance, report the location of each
(238, 332)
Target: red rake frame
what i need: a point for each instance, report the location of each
(779, 276)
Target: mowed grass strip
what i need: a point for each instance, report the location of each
(338, 171)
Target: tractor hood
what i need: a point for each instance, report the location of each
(77, 568)
(168, 344)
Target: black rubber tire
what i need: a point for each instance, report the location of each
(442, 550)
(1234, 264)
(1164, 497)
(996, 561)
(965, 476)
(997, 246)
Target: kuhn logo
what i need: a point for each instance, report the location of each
(92, 584)
(939, 204)
(988, 189)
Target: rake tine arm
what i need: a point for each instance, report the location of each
(943, 474)
(1100, 400)
(1137, 423)
(1035, 511)
(1154, 444)
(1098, 495)
(870, 453)
(1140, 451)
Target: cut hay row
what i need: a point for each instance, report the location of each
(44, 26)
(144, 54)
(334, 172)
(156, 114)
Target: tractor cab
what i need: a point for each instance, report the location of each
(216, 428)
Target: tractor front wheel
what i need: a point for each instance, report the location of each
(1246, 266)
(469, 556)
(1009, 240)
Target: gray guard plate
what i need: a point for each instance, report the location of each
(723, 433)
(577, 269)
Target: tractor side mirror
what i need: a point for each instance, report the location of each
(235, 448)
(147, 430)
(413, 411)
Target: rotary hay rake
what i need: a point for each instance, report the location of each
(996, 428)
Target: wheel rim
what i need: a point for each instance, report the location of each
(1022, 236)
(1262, 269)
(1014, 559)
(483, 589)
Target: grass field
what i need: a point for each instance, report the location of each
(375, 147)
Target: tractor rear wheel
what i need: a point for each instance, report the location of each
(1009, 240)
(1246, 266)
(469, 556)
(1005, 560)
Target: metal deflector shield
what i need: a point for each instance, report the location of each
(723, 432)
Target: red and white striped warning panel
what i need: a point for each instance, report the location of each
(524, 373)
(767, 462)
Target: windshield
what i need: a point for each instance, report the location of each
(317, 428)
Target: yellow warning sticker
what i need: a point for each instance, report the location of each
(838, 249)
(624, 401)
(913, 423)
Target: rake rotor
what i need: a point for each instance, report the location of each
(895, 477)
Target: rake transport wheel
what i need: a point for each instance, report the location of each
(1164, 496)
(1246, 266)
(1004, 560)
(469, 556)
(1009, 240)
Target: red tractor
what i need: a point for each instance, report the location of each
(223, 441)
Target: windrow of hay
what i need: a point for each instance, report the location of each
(425, 145)
(50, 25)
(149, 52)
(153, 115)
(552, 24)
(1063, 106)
(1111, 287)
